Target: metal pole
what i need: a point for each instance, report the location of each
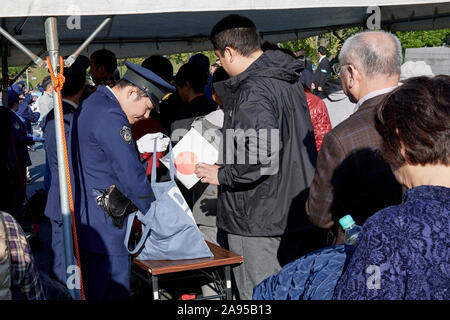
(51, 35)
(28, 87)
(74, 55)
(4, 48)
(41, 63)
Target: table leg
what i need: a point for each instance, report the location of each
(155, 288)
(229, 294)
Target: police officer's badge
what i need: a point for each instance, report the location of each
(16, 125)
(125, 133)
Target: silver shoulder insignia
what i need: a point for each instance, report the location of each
(125, 133)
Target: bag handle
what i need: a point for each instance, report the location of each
(144, 236)
(171, 166)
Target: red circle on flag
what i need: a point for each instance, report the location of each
(185, 162)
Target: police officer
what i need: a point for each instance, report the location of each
(104, 153)
(24, 110)
(75, 82)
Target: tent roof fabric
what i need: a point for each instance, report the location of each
(40, 8)
(142, 28)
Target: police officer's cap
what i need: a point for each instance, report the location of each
(155, 87)
(13, 97)
(18, 88)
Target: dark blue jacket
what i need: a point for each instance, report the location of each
(311, 277)
(21, 141)
(104, 154)
(26, 113)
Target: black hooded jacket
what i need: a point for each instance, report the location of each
(265, 195)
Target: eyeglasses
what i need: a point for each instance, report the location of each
(340, 68)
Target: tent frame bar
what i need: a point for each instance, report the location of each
(71, 59)
(37, 60)
(25, 68)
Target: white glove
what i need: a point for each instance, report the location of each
(147, 142)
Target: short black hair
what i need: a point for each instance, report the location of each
(219, 75)
(237, 32)
(269, 46)
(159, 65)
(73, 83)
(105, 58)
(417, 115)
(194, 74)
(322, 50)
(46, 82)
(123, 83)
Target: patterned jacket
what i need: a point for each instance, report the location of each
(319, 117)
(351, 177)
(25, 282)
(403, 252)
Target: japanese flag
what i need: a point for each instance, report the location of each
(189, 151)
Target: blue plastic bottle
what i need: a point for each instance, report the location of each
(351, 229)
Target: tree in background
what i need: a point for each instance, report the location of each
(334, 41)
(420, 39)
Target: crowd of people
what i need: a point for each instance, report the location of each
(371, 139)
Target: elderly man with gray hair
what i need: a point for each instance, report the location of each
(351, 177)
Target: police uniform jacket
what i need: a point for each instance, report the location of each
(104, 154)
(26, 113)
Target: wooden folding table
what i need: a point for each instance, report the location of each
(153, 269)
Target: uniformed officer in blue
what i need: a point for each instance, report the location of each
(74, 85)
(105, 155)
(24, 111)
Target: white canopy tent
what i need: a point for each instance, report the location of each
(143, 28)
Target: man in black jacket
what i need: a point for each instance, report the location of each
(271, 153)
(322, 72)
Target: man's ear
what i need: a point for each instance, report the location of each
(229, 54)
(352, 75)
(131, 90)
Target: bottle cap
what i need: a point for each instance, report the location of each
(346, 221)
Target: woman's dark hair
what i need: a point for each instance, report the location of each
(237, 32)
(417, 116)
